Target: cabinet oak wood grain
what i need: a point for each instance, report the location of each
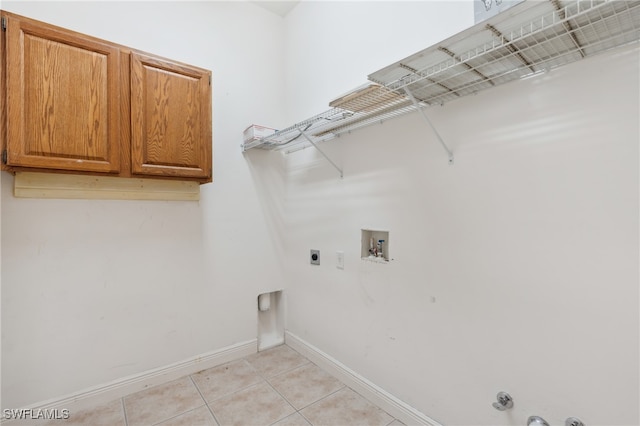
(170, 113)
(62, 99)
(73, 103)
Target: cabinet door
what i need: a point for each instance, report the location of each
(62, 99)
(170, 118)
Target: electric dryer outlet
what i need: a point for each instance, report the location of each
(315, 257)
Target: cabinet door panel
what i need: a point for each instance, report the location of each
(171, 118)
(62, 105)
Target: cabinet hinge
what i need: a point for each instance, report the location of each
(4, 24)
(209, 79)
(4, 156)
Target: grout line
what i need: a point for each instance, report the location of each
(326, 396)
(375, 395)
(290, 415)
(267, 380)
(215, 419)
(206, 403)
(238, 390)
(283, 397)
(197, 388)
(289, 371)
(304, 417)
(375, 405)
(264, 379)
(178, 415)
(124, 411)
(234, 391)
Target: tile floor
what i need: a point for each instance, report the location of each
(273, 387)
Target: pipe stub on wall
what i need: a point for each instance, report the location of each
(537, 421)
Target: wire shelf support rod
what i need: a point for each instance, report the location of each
(321, 152)
(419, 108)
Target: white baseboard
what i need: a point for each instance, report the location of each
(135, 383)
(389, 403)
(121, 387)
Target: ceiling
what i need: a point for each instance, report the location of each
(278, 7)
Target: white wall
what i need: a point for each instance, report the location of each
(331, 46)
(529, 243)
(515, 269)
(94, 291)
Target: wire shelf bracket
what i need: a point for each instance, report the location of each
(304, 135)
(426, 118)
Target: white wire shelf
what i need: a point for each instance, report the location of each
(529, 38)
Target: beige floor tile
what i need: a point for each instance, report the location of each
(256, 405)
(199, 417)
(305, 385)
(257, 390)
(293, 420)
(345, 407)
(109, 414)
(276, 360)
(224, 379)
(162, 402)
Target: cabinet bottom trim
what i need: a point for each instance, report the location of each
(69, 186)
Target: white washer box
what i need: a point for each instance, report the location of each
(255, 132)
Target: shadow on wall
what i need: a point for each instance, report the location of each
(268, 176)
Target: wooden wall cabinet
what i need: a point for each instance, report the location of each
(77, 104)
(170, 114)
